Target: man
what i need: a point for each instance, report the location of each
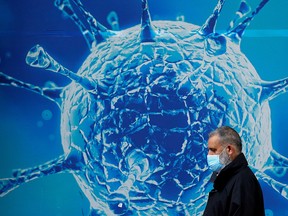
(236, 190)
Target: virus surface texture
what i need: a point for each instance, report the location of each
(136, 116)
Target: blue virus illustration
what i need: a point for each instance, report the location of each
(136, 116)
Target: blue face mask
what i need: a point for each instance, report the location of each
(214, 162)
(217, 162)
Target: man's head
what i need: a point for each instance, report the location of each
(226, 143)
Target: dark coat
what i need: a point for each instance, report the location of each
(236, 192)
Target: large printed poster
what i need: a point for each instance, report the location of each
(106, 106)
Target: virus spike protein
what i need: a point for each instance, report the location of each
(239, 30)
(52, 94)
(147, 30)
(244, 9)
(209, 25)
(71, 162)
(26, 175)
(38, 57)
(66, 7)
(100, 32)
(271, 90)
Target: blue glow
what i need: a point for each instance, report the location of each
(149, 127)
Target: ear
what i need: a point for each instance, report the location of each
(230, 149)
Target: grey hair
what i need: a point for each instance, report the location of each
(228, 135)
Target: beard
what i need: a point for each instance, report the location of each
(224, 158)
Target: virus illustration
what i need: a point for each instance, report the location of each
(136, 116)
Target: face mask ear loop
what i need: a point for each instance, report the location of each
(223, 150)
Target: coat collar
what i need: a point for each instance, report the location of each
(229, 171)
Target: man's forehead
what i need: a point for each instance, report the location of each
(214, 141)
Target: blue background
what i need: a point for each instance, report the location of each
(29, 123)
